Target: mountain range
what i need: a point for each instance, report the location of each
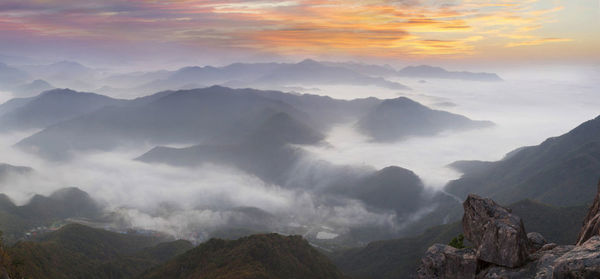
(424, 71)
(208, 115)
(559, 171)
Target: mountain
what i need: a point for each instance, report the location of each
(10, 76)
(365, 69)
(392, 188)
(257, 256)
(256, 75)
(7, 170)
(49, 108)
(396, 119)
(214, 114)
(77, 251)
(398, 258)
(559, 171)
(264, 152)
(425, 71)
(63, 73)
(31, 89)
(311, 72)
(327, 110)
(45, 210)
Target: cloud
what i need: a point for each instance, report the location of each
(538, 42)
(371, 28)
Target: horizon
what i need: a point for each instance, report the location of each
(461, 33)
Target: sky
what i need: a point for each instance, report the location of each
(224, 31)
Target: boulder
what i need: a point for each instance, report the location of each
(583, 261)
(536, 241)
(591, 224)
(446, 262)
(498, 235)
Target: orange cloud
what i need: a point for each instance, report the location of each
(538, 42)
(372, 27)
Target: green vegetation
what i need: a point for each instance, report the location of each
(269, 256)
(458, 242)
(77, 251)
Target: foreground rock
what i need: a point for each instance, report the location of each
(536, 241)
(498, 235)
(591, 222)
(581, 262)
(504, 250)
(443, 261)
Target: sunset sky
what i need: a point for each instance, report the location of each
(406, 30)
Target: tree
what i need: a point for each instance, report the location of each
(457, 242)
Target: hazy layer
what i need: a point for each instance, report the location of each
(526, 112)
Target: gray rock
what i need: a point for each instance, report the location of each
(536, 241)
(548, 246)
(500, 272)
(583, 261)
(544, 259)
(498, 235)
(446, 262)
(591, 224)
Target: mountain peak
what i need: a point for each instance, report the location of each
(257, 256)
(309, 61)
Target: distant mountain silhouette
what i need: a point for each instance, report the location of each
(256, 256)
(49, 108)
(31, 89)
(63, 73)
(255, 75)
(365, 69)
(559, 171)
(425, 71)
(215, 114)
(313, 72)
(7, 170)
(279, 76)
(11, 76)
(399, 118)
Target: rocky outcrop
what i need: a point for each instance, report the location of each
(498, 235)
(502, 249)
(591, 224)
(443, 261)
(536, 241)
(583, 261)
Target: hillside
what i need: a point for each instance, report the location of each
(399, 118)
(50, 107)
(399, 257)
(65, 203)
(559, 171)
(77, 251)
(258, 256)
(211, 114)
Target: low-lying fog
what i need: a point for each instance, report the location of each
(526, 112)
(185, 201)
